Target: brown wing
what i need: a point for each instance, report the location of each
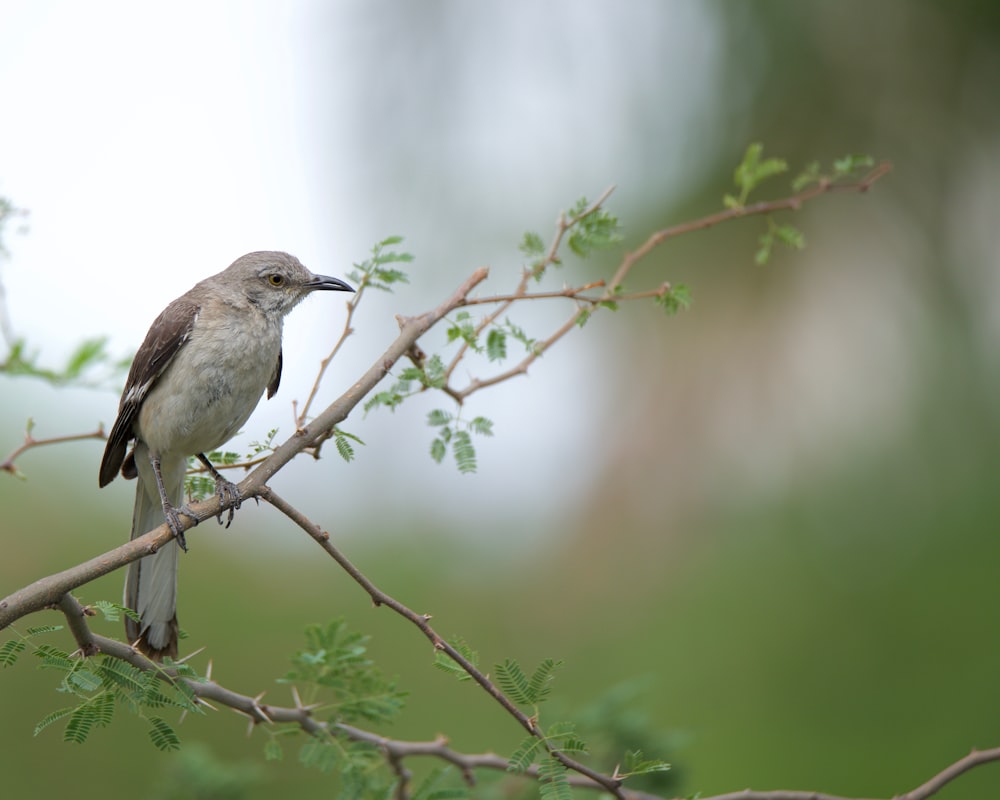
(166, 336)
(272, 385)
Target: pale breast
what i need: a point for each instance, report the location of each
(213, 383)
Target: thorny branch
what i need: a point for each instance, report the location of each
(259, 713)
(53, 591)
(422, 621)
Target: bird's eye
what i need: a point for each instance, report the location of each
(276, 280)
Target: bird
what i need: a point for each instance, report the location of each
(203, 367)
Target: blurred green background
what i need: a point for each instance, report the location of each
(777, 512)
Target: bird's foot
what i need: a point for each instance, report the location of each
(228, 494)
(174, 522)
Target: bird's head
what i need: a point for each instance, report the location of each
(275, 282)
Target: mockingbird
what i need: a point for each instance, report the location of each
(197, 377)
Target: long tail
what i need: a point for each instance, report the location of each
(151, 582)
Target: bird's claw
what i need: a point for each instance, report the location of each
(228, 494)
(174, 523)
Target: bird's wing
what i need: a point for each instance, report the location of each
(272, 385)
(166, 336)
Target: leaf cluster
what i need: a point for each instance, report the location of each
(90, 364)
(335, 670)
(588, 227)
(754, 170)
(455, 434)
(378, 271)
(97, 686)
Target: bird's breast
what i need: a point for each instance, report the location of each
(212, 384)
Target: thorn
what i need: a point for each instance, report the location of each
(203, 702)
(189, 656)
(208, 672)
(259, 709)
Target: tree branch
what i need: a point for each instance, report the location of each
(259, 713)
(48, 591)
(31, 442)
(422, 622)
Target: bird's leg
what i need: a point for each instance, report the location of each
(171, 513)
(227, 491)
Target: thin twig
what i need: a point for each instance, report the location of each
(31, 442)
(551, 257)
(422, 621)
(352, 305)
(790, 203)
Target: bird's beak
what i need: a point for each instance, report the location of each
(325, 282)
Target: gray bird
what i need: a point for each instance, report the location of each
(197, 377)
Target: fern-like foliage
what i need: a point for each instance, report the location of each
(99, 685)
(445, 663)
(380, 270)
(334, 670)
(519, 687)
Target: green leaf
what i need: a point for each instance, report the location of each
(517, 333)
(344, 448)
(553, 782)
(54, 716)
(83, 680)
(272, 750)
(596, 229)
(37, 630)
(464, 452)
(438, 450)
(496, 345)
(532, 244)
(790, 236)
(675, 299)
(319, 754)
(849, 164)
(636, 764)
(482, 426)
(751, 171)
(117, 674)
(539, 684)
(446, 663)
(87, 353)
(81, 722)
(524, 755)
(9, 651)
(162, 735)
(514, 683)
(430, 787)
(103, 705)
(374, 272)
(439, 417)
(808, 176)
(112, 612)
(763, 254)
(53, 658)
(434, 372)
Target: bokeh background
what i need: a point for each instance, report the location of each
(765, 529)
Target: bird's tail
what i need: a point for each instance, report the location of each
(151, 582)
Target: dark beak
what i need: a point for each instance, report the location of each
(325, 282)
